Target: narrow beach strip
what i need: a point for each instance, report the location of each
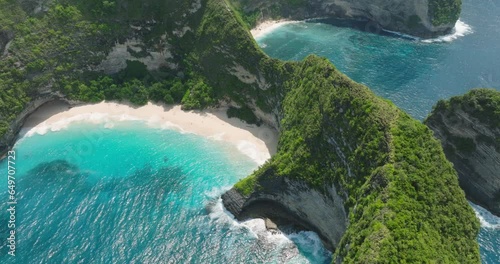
(268, 26)
(257, 142)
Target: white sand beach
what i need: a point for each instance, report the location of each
(267, 26)
(259, 143)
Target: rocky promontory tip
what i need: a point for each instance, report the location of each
(281, 201)
(468, 127)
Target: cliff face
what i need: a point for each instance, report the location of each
(10, 137)
(5, 38)
(291, 201)
(469, 130)
(423, 18)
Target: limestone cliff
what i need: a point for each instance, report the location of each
(290, 201)
(5, 38)
(423, 18)
(468, 127)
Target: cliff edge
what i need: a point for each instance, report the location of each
(468, 127)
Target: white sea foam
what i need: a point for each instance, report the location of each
(107, 120)
(258, 227)
(93, 118)
(310, 242)
(284, 246)
(401, 34)
(461, 29)
(169, 125)
(109, 125)
(218, 136)
(287, 245)
(252, 151)
(218, 213)
(486, 219)
(246, 147)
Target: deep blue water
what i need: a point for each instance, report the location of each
(414, 74)
(136, 195)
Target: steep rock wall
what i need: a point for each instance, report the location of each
(472, 144)
(10, 138)
(294, 202)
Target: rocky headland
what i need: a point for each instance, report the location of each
(468, 127)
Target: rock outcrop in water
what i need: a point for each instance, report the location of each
(372, 181)
(288, 201)
(423, 18)
(468, 127)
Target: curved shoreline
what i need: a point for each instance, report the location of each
(258, 143)
(460, 29)
(268, 26)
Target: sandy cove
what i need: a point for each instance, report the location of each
(268, 26)
(259, 143)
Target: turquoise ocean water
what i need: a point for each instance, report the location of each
(414, 74)
(130, 194)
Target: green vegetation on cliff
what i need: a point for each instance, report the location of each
(468, 127)
(10, 14)
(335, 131)
(60, 50)
(444, 12)
(483, 104)
(402, 195)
